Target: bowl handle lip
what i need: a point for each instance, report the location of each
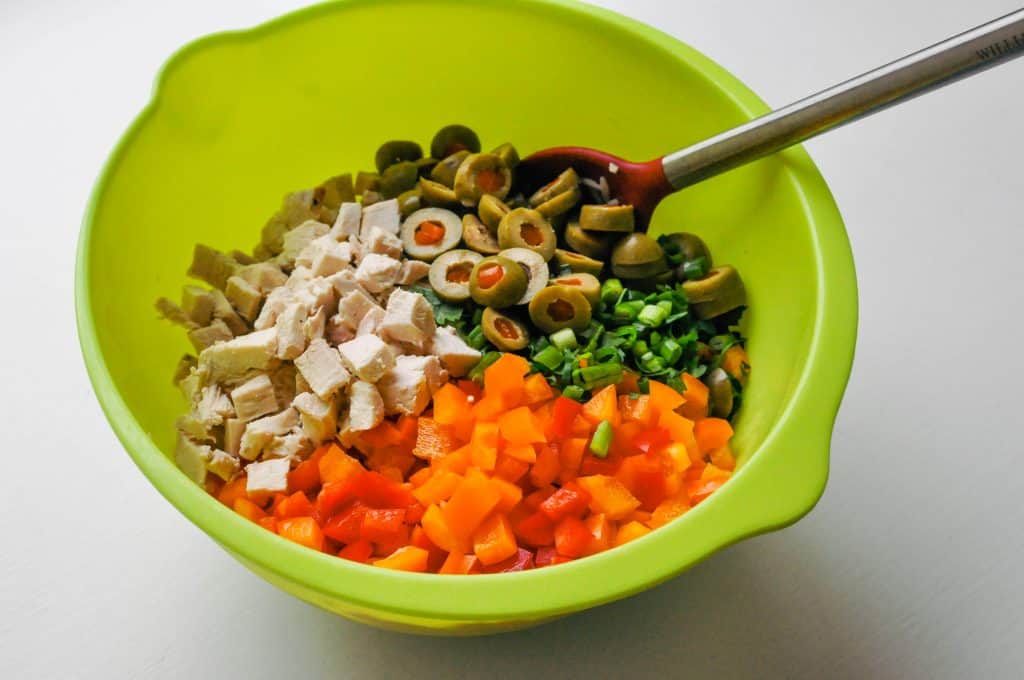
(790, 442)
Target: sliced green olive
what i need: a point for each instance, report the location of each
(589, 243)
(497, 282)
(578, 264)
(436, 194)
(558, 307)
(535, 268)
(567, 181)
(449, 274)
(508, 154)
(410, 201)
(425, 165)
(371, 196)
(560, 204)
(454, 138)
(477, 236)
(720, 388)
(428, 232)
(367, 181)
(397, 151)
(689, 246)
(615, 218)
(719, 292)
(479, 175)
(398, 178)
(638, 256)
(491, 210)
(504, 332)
(445, 170)
(585, 283)
(525, 228)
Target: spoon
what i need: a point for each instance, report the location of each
(644, 185)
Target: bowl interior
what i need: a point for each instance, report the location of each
(239, 119)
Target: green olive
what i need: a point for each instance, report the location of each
(508, 154)
(690, 246)
(721, 394)
(615, 218)
(650, 283)
(719, 292)
(589, 243)
(425, 165)
(454, 138)
(428, 232)
(371, 196)
(567, 181)
(477, 236)
(332, 192)
(449, 274)
(560, 204)
(445, 170)
(558, 307)
(504, 332)
(393, 152)
(535, 268)
(436, 194)
(525, 228)
(497, 282)
(585, 283)
(479, 175)
(367, 181)
(398, 178)
(491, 210)
(578, 264)
(410, 201)
(638, 256)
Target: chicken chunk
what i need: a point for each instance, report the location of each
(368, 357)
(212, 266)
(244, 297)
(317, 292)
(192, 457)
(259, 434)
(337, 331)
(264, 276)
(407, 388)
(384, 214)
(277, 300)
(293, 445)
(370, 323)
(344, 282)
(296, 240)
(366, 408)
(197, 303)
(231, 360)
(411, 272)
(223, 464)
(254, 398)
(409, 319)
(267, 477)
(234, 428)
(322, 367)
(315, 325)
(456, 356)
(208, 336)
(354, 306)
(319, 416)
(213, 406)
(325, 256)
(350, 216)
(291, 338)
(377, 273)
(383, 243)
(223, 310)
(175, 314)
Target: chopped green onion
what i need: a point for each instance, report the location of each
(650, 363)
(610, 291)
(670, 350)
(476, 338)
(600, 375)
(652, 315)
(550, 357)
(564, 339)
(574, 392)
(640, 348)
(628, 311)
(601, 440)
(666, 305)
(477, 373)
(695, 269)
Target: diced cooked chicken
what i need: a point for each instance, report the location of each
(383, 243)
(301, 386)
(366, 408)
(411, 272)
(207, 336)
(296, 240)
(267, 477)
(370, 323)
(299, 278)
(276, 301)
(346, 435)
(254, 398)
(195, 429)
(456, 356)
(192, 457)
(407, 388)
(264, 276)
(175, 314)
(243, 258)
(212, 266)
(291, 338)
(285, 378)
(337, 331)
(322, 367)
(350, 215)
(319, 417)
(368, 357)
(231, 360)
(234, 428)
(295, 444)
(354, 306)
(223, 464)
(344, 282)
(260, 433)
(191, 387)
(409, 318)
(197, 303)
(317, 292)
(377, 273)
(325, 256)
(185, 365)
(213, 406)
(315, 324)
(385, 214)
(244, 297)
(223, 310)
(296, 208)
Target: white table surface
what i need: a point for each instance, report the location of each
(909, 566)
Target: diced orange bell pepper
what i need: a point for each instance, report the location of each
(664, 398)
(488, 408)
(421, 477)
(302, 530)
(306, 475)
(630, 382)
(469, 505)
(603, 406)
(382, 526)
(648, 478)
(439, 487)
(295, 505)
(494, 540)
(537, 389)
(570, 453)
(609, 496)
(637, 409)
(433, 440)
(519, 427)
(697, 396)
(629, 532)
(681, 430)
(450, 405)
(572, 537)
(269, 523)
(485, 445)
(549, 463)
(437, 530)
(510, 469)
(346, 526)
(736, 363)
(457, 461)
(338, 466)
(232, 491)
(601, 531)
(249, 510)
(723, 458)
(458, 563)
(669, 509)
(382, 436)
(581, 427)
(360, 551)
(505, 379)
(406, 558)
(511, 494)
(711, 434)
(523, 452)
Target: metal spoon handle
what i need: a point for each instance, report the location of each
(946, 62)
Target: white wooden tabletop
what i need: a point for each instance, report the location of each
(909, 566)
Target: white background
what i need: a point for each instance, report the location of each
(909, 567)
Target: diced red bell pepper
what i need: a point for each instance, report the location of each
(536, 529)
(521, 561)
(563, 413)
(572, 537)
(545, 555)
(652, 440)
(569, 500)
(379, 491)
(333, 497)
(360, 551)
(414, 513)
(592, 465)
(346, 526)
(382, 526)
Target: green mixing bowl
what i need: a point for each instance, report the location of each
(238, 119)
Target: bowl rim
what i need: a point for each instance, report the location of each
(801, 434)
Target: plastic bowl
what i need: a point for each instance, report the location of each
(238, 119)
